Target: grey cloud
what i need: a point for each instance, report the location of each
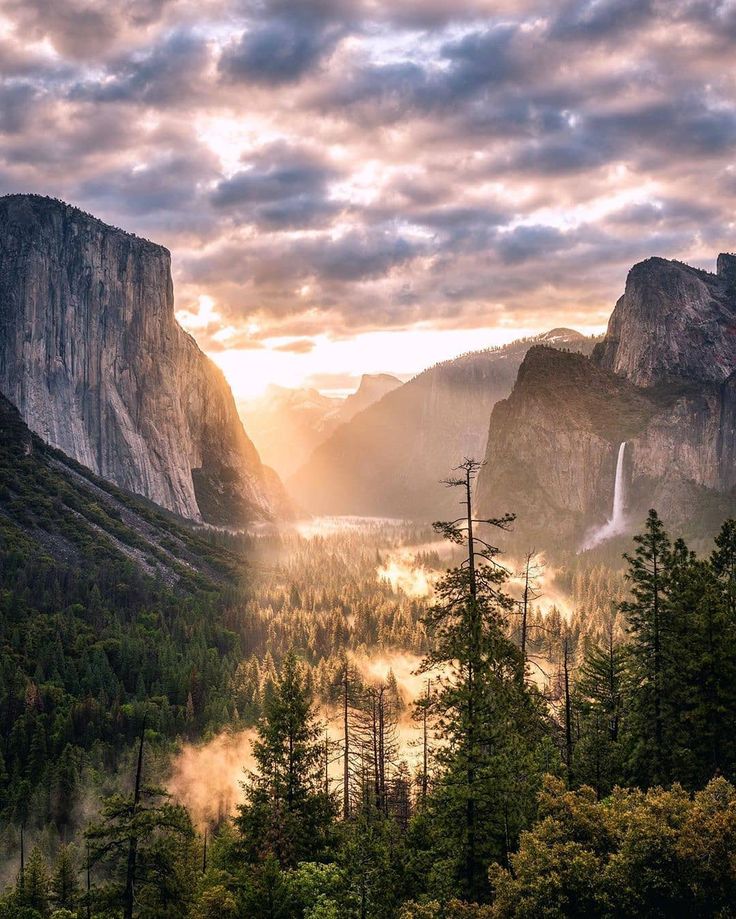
(477, 63)
(16, 100)
(527, 242)
(599, 19)
(360, 255)
(166, 74)
(281, 186)
(280, 50)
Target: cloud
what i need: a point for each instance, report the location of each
(332, 166)
(164, 74)
(298, 346)
(15, 106)
(279, 51)
(280, 186)
(600, 19)
(83, 28)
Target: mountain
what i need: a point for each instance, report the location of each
(389, 459)
(287, 424)
(662, 381)
(372, 388)
(92, 356)
(673, 322)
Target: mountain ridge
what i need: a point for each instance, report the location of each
(288, 424)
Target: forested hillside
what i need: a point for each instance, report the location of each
(107, 606)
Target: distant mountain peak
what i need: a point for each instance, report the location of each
(561, 334)
(390, 458)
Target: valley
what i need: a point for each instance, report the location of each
(225, 686)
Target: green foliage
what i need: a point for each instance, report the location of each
(64, 881)
(287, 814)
(165, 865)
(90, 630)
(600, 705)
(655, 854)
(491, 725)
(682, 660)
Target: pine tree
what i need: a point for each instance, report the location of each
(723, 562)
(64, 881)
(648, 624)
(599, 696)
(489, 722)
(35, 892)
(709, 653)
(287, 813)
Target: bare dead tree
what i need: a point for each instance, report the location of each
(375, 732)
(530, 593)
(128, 897)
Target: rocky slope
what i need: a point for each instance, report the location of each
(54, 507)
(390, 459)
(92, 356)
(287, 424)
(662, 380)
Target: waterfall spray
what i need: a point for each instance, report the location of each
(616, 523)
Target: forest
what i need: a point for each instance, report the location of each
(435, 730)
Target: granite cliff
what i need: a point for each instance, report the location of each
(94, 360)
(673, 323)
(662, 381)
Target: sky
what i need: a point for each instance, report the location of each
(352, 186)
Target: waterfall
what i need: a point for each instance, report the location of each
(616, 523)
(617, 517)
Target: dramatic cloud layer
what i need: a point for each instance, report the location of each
(324, 169)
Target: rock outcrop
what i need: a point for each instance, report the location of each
(662, 380)
(390, 459)
(93, 358)
(673, 323)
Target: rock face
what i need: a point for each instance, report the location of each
(373, 387)
(673, 323)
(662, 380)
(93, 358)
(389, 460)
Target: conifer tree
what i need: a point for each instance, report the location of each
(648, 622)
(709, 652)
(489, 722)
(723, 562)
(599, 696)
(287, 813)
(35, 891)
(64, 881)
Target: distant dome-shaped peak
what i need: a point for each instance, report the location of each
(561, 333)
